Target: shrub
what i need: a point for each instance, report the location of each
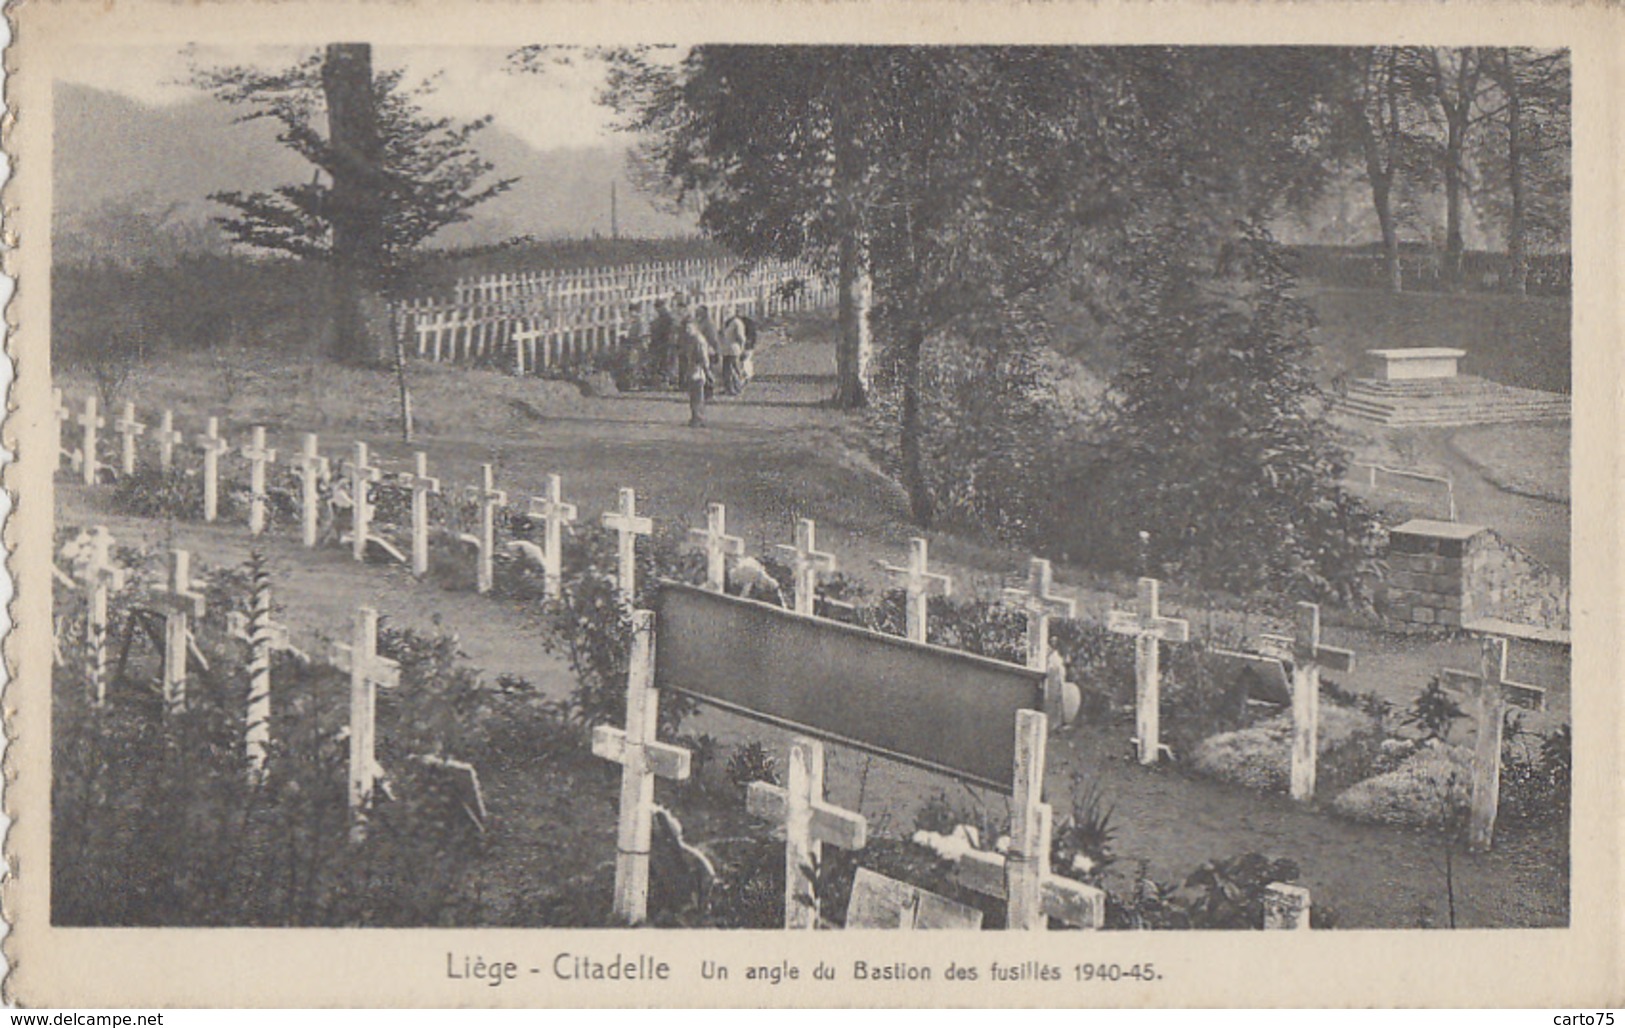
(155, 820)
(1260, 757)
(1429, 788)
(1434, 711)
(752, 763)
(1537, 775)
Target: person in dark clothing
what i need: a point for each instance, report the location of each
(662, 345)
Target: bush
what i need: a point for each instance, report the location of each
(1260, 757)
(1537, 773)
(156, 821)
(1429, 788)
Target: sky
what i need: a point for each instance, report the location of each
(551, 110)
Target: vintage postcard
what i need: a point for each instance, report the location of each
(814, 504)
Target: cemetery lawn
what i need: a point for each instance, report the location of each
(773, 455)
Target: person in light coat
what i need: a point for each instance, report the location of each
(732, 349)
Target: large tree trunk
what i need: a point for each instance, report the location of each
(1517, 252)
(854, 353)
(1382, 200)
(921, 501)
(355, 207)
(1454, 167)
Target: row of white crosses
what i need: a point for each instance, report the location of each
(181, 602)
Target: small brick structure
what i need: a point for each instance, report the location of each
(1431, 568)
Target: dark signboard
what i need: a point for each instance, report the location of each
(938, 709)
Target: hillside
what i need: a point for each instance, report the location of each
(113, 155)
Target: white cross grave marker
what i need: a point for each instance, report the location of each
(1308, 656)
(63, 415)
(642, 759)
(1149, 628)
(555, 514)
(1039, 605)
(182, 602)
(919, 585)
(719, 546)
(212, 446)
(1022, 877)
(1487, 690)
(362, 474)
(808, 822)
(128, 429)
(264, 637)
(807, 561)
(167, 438)
(489, 497)
(257, 455)
(312, 468)
(368, 673)
(422, 485)
(90, 421)
(99, 575)
(628, 526)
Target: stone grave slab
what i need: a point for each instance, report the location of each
(879, 901)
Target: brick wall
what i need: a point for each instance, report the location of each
(1428, 571)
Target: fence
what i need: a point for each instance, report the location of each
(1374, 470)
(531, 321)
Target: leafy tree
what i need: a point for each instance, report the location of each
(1452, 82)
(1526, 150)
(1217, 450)
(1376, 118)
(393, 175)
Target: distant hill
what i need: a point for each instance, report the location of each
(114, 155)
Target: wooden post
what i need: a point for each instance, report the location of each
(1286, 907)
(719, 546)
(1039, 605)
(99, 575)
(1308, 656)
(90, 421)
(555, 514)
(257, 455)
(1148, 628)
(808, 822)
(1487, 692)
(806, 562)
(368, 673)
(489, 497)
(362, 475)
(128, 429)
(167, 439)
(312, 468)
(212, 446)
(919, 585)
(1029, 835)
(264, 637)
(626, 523)
(422, 485)
(642, 759)
(182, 602)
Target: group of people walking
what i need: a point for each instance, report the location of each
(690, 352)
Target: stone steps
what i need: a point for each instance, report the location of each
(1460, 401)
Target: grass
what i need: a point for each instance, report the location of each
(1530, 460)
(1517, 341)
(773, 455)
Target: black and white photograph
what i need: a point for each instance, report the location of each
(809, 487)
